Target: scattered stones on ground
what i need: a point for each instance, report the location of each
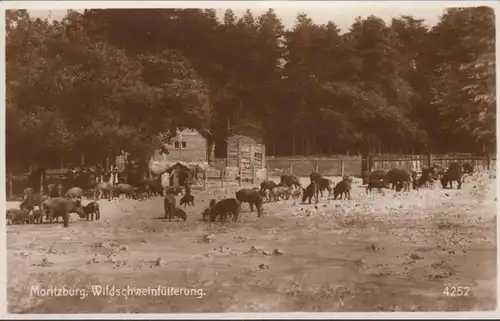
(240, 239)
(278, 252)
(220, 251)
(373, 247)
(52, 251)
(414, 256)
(44, 262)
(208, 238)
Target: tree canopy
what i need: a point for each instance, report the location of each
(107, 80)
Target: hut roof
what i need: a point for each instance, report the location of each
(165, 163)
(248, 129)
(189, 166)
(255, 138)
(199, 165)
(159, 167)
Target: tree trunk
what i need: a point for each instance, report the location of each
(302, 144)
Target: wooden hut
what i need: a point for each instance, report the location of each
(246, 152)
(194, 173)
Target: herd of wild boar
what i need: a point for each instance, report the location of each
(290, 187)
(35, 206)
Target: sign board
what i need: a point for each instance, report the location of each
(245, 164)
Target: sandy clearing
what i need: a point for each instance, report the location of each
(372, 253)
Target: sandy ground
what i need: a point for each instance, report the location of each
(372, 253)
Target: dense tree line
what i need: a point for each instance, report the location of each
(106, 80)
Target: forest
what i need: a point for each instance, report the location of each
(105, 80)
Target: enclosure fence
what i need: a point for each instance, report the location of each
(218, 175)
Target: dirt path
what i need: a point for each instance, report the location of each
(372, 253)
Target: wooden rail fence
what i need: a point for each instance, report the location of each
(219, 175)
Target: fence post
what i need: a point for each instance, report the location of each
(364, 166)
(41, 183)
(291, 167)
(316, 166)
(429, 159)
(342, 167)
(205, 180)
(370, 162)
(239, 175)
(369, 167)
(10, 185)
(253, 173)
(222, 174)
(267, 171)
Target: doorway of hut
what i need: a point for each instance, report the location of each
(179, 177)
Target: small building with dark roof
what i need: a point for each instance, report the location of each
(193, 173)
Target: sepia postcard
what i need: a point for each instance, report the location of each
(281, 159)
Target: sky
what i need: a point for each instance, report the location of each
(343, 13)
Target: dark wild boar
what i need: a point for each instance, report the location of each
(309, 192)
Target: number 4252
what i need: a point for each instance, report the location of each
(456, 291)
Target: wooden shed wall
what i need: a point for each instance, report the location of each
(245, 151)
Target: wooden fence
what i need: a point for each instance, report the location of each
(275, 167)
(350, 165)
(347, 165)
(220, 176)
(15, 184)
(416, 162)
